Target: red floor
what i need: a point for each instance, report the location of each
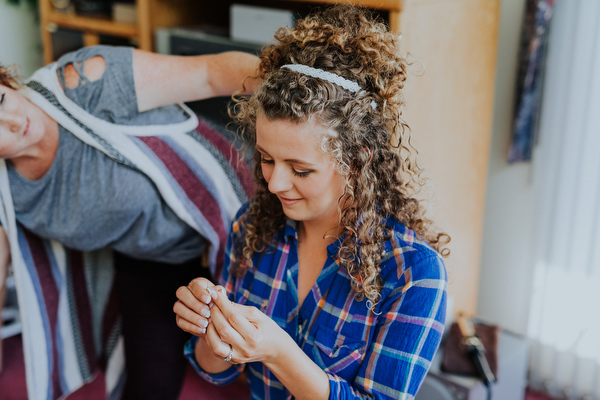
(12, 382)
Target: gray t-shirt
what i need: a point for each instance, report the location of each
(88, 201)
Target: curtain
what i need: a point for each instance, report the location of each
(564, 319)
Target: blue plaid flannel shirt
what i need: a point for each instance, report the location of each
(380, 354)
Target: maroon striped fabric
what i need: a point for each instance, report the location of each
(50, 295)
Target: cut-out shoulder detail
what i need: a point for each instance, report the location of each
(93, 69)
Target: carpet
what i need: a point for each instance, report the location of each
(13, 386)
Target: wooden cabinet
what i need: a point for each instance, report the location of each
(449, 108)
(449, 105)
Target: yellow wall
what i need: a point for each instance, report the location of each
(449, 109)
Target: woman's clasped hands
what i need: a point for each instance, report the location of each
(232, 332)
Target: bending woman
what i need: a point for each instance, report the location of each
(99, 169)
(334, 280)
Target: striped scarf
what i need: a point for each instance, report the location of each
(70, 322)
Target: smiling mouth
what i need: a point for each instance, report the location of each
(26, 128)
(288, 201)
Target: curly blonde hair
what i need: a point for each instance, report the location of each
(372, 147)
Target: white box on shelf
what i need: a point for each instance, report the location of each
(124, 12)
(257, 24)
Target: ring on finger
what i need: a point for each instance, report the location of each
(230, 355)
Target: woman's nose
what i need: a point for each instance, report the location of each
(280, 180)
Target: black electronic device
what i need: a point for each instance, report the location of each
(476, 351)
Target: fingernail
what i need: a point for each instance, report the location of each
(202, 330)
(212, 293)
(206, 298)
(205, 312)
(203, 323)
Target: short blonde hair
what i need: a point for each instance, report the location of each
(9, 77)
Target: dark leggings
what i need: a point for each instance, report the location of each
(154, 360)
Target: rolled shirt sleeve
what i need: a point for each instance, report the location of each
(222, 378)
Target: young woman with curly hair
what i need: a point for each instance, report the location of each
(334, 284)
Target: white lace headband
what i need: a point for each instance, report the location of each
(327, 76)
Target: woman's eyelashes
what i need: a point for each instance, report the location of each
(2, 98)
(265, 160)
(301, 174)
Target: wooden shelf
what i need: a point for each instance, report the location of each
(394, 7)
(377, 4)
(151, 14)
(91, 27)
(100, 25)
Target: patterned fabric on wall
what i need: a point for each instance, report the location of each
(531, 65)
